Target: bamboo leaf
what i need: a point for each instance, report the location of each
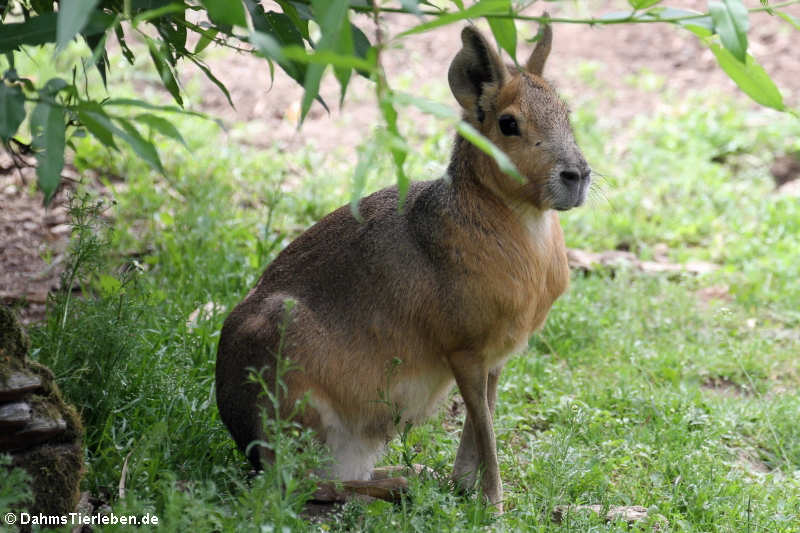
(642, 4)
(207, 71)
(226, 12)
(94, 119)
(151, 14)
(750, 77)
(731, 24)
(126, 51)
(411, 6)
(205, 39)
(47, 129)
(505, 33)
(328, 57)
(162, 126)
(132, 102)
(73, 15)
(331, 16)
(140, 145)
(794, 21)
(489, 148)
(164, 71)
(294, 15)
(484, 7)
(398, 149)
(12, 110)
(366, 157)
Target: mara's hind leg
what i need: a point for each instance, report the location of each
(255, 337)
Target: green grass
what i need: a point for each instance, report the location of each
(611, 403)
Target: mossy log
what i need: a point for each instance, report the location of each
(38, 428)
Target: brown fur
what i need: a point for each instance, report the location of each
(450, 286)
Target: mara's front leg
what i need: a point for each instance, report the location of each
(478, 449)
(467, 462)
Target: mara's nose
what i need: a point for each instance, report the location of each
(572, 176)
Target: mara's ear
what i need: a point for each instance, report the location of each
(475, 68)
(535, 64)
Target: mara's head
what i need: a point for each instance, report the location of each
(523, 115)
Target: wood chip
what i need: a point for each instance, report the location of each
(589, 261)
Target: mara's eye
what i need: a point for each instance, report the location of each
(508, 125)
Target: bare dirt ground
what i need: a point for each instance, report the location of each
(33, 239)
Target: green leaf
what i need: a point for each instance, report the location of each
(32, 32)
(54, 86)
(617, 16)
(311, 88)
(101, 125)
(221, 86)
(164, 71)
(344, 46)
(267, 45)
(328, 57)
(72, 18)
(162, 126)
(426, 106)
(47, 129)
(331, 17)
(750, 77)
(140, 145)
(505, 33)
(94, 119)
(366, 157)
(642, 4)
(466, 131)
(228, 12)
(484, 7)
(283, 31)
(126, 51)
(794, 21)
(42, 6)
(97, 43)
(363, 48)
(132, 102)
(12, 110)
(42, 29)
(488, 147)
(299, 22)
(731, 23)
(205, 39)
(411, 6)
(109, 285)
(398, 149)
(700, 31)
(696, 24)
(151, 14)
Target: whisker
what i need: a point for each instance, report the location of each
(600, 175)
(596, 191)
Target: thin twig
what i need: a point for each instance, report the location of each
(632, 18)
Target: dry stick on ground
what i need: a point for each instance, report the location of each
(124, 475)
